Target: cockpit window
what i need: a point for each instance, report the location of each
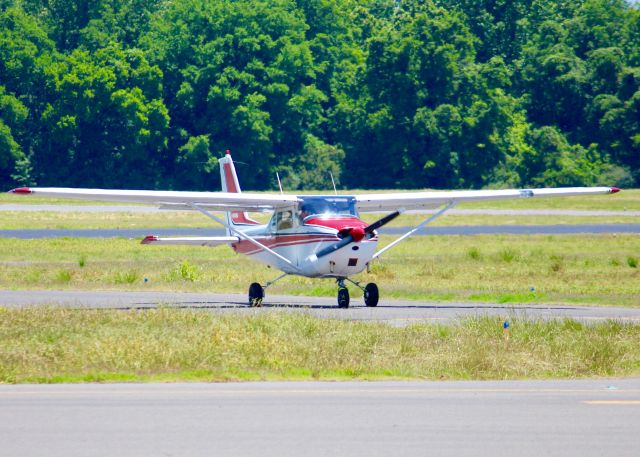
(327, 206)
(282, 220)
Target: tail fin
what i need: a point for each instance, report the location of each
(230, 183)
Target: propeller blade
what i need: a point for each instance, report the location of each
(379, 223)
(368, 230)
(334, 247)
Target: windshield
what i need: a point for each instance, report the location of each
(327, 206)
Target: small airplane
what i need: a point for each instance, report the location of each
(317, 236)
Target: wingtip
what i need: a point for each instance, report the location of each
(614, 190)
(21, 190)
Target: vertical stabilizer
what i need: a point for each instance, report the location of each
(230, 183)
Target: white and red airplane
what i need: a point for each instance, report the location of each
(317, 236)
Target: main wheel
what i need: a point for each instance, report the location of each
(343, 297)
(256, 294)
(371, 294)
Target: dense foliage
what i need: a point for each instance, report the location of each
(379, 93)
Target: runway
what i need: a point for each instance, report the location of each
(528, 418)
(560, 229)
(394, 312)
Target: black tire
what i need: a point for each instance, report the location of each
(343, 297)
(256, 294)
(371, 294)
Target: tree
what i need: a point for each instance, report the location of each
(242, 74)
(106, 116)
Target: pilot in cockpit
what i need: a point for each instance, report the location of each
(286, 220)
(305, 211)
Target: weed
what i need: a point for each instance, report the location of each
(63, 276)
(474, 253)
(82, 261)
(557, 262)
(508, 255)
(185, 271)
(632, 262)
(126, 277)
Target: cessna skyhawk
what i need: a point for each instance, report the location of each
(317, 236)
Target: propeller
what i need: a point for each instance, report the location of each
(358, 233)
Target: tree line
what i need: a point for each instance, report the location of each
(376, 93)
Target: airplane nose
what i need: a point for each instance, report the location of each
(357, 233)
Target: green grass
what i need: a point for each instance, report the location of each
(48, 345)
(575, 269)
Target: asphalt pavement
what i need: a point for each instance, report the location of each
(524, 418)
(394, 312)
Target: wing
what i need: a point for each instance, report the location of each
(191, 241)
(428, 200)
(214, 201)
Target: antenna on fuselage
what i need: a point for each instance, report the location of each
(279, 182)
(334, 184)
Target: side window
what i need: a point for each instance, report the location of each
(286, 220)
(282, 220)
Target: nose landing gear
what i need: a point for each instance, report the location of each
(343, 294)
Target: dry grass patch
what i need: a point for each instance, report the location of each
(62, 345)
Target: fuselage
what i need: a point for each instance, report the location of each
(300, 232)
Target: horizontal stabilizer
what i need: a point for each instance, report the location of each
(192, 241)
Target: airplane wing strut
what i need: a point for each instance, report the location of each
(433, 217)
(244, 236)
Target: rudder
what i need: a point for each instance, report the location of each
(230, 183)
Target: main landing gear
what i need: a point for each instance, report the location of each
(371, 294)
(256, 294)
(256, 291)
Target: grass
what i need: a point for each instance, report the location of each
(558, 269)
(62, 345)
(65, 345)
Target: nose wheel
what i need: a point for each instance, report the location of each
(343, 294)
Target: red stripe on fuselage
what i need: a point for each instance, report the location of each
(279, 241)
(272, 242)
